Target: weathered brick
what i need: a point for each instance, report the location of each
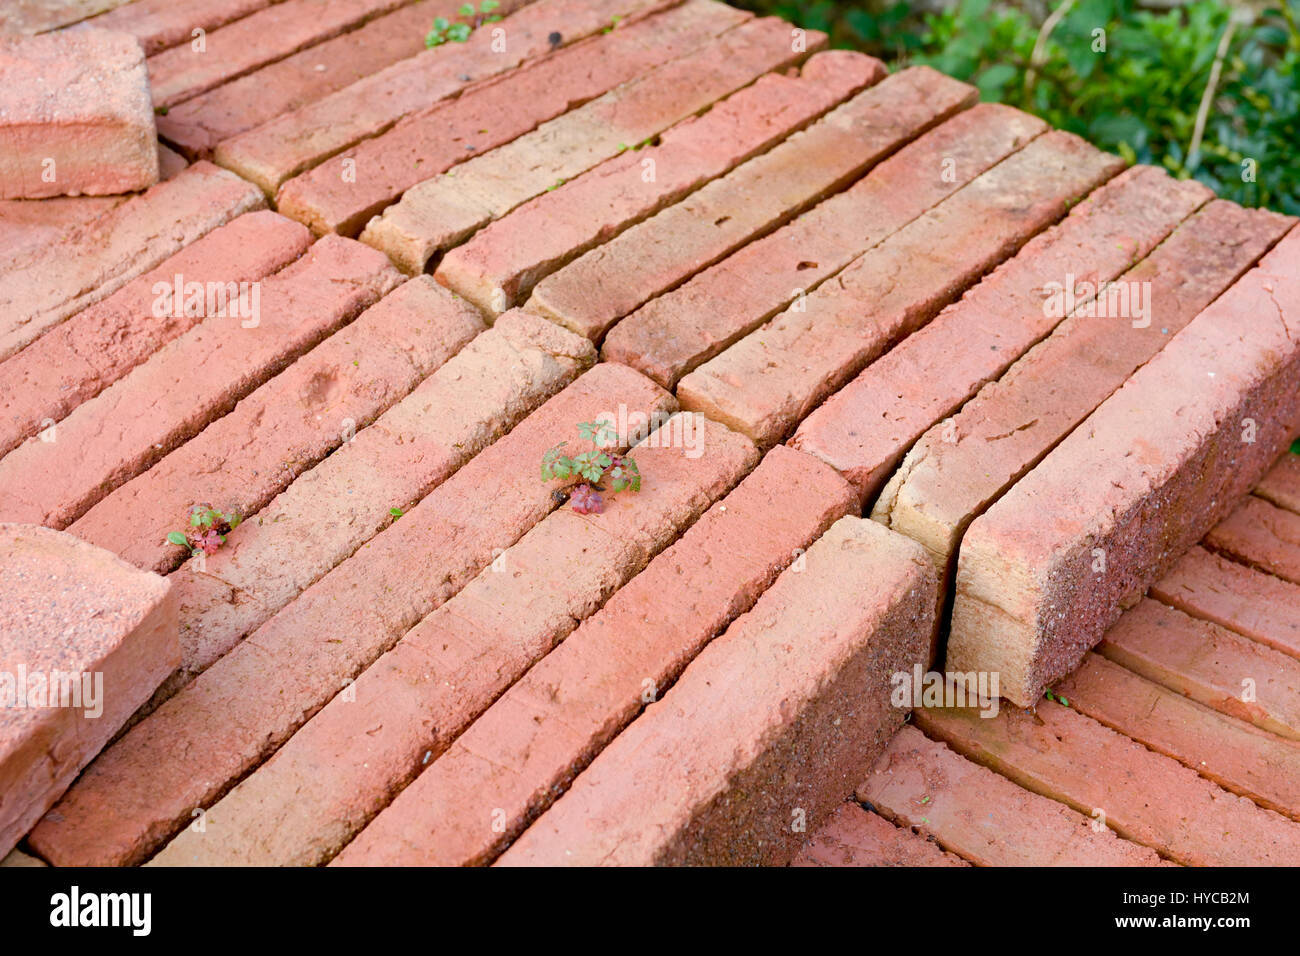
(864, 429)
(76, 118)
(1281, 484)
(1223, 670)
(964, 463)
(188, 752)
(38, 16)
(1149, 472)
(242, 460)
(19, 858)
(1235, 755)
(522, 753)
(190, 381)
(79, 358)
(1261, 535)
(443, 211)
(600, 287)
(854, 837)
(1258, 605)
(1076, 760)
(284, 147)
(109, 629)
(499, 266)
(768, 381)
(704, 775)
(45, 284)
(159, 24)
(987, 819)
(332, 199)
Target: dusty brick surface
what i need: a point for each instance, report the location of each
(1155, 467)
(242, 460)
(77, 610)
(854, 837)
(1281, 484)
(45, 284)
(521, 754)
(79, 358)
(1076, 760)
(159, 24)
(38, 16)
(674, 333)
(605, 284)
(19, 858)
(984, 817)
(441, 212)
(1261, 535)
(767, 382)
(76, 118)
(189, 752)
(774, 716)
(187, 383)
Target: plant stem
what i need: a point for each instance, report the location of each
(1203, 114)
(1040, 45)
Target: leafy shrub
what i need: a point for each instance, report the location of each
(592, 472)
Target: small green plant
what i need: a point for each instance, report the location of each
(445, 30)
(1295, 447)
(591, 473)
(1056, 697)
(207, 531)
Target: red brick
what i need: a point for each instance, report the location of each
(767, 727)
(854, 837)
(77, 119)
(159, 24)
(70, 609)
(188, 752)
(1210, 664)
(768, 381)
(186, 384)
(1260, 606)
(1262, 535)
(1146, 797)
(45, 284)
(864, 429)
(441, 212)
(963, 464)
(37, 16)
(1235, 755)
(674, 333)
(272, 153)
(522, 753)
(242, 460)
(1149, 472)
(78, 359)
(425, 144)
(985, 818)
(499, 266)
(605, 284)
(237, 48)
(1281, 484)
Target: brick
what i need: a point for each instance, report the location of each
(109, 630)
(522, 753)
(767, 382)
(263, 37)
(704, 775)
(864, 429)
(964, 463)
(79, 358)
(271, 154)
(159, 24)
(199, 124)
(242, 460)
(1235, 755)
(38, 16)
(854, 837)
(1261, 535)
(478, 395)
(1281, 484)
(45, 284)
(189, 382)
(19, 858)
(441, 212)
(1210, 664)
(188, 753)
(329, 198)
(987, 819)
(417, 698)
(1150, 471)
(1264, 608)
(76, 118)
(595, 290)
(499, 266)
(1077, 761)
(678, 331)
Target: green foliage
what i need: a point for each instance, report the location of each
(1127, 79)
(207, 530)
(593, 471)
(445, 30)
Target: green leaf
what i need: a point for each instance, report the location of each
(441, 23)
(458, 32)
(487, 6)
(395, 512)
(466, 10)
(1295, 447)
(177, 537)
